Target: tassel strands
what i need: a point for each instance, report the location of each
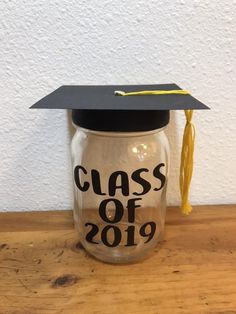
(186, 166)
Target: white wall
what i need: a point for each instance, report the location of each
(45, 44)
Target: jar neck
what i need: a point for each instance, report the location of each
(120, 134)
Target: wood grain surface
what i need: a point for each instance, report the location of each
(43, 268)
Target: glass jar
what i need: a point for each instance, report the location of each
(120, 181)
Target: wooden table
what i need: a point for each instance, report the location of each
(44, 269)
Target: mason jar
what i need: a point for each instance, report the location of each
(120, 180)
(120, 158)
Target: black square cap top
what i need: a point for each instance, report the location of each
(102, 97)
(97, 107)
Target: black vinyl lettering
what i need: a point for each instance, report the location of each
(130, 236)
(91, 234)
(131, 208)
(116, 236)
(124, 184)
(159, 175)
(149, 234)
(84, 187)
(144, 183)
(119, 210)
(96, 182)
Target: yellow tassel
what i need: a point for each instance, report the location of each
(186, 166)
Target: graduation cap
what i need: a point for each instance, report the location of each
(130, 108)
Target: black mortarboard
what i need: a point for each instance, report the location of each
(98, 107)
(103, 108)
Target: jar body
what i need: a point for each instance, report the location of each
(120, 184)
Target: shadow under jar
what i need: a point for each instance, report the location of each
(120, 181)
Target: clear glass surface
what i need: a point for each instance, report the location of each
(120, 184)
